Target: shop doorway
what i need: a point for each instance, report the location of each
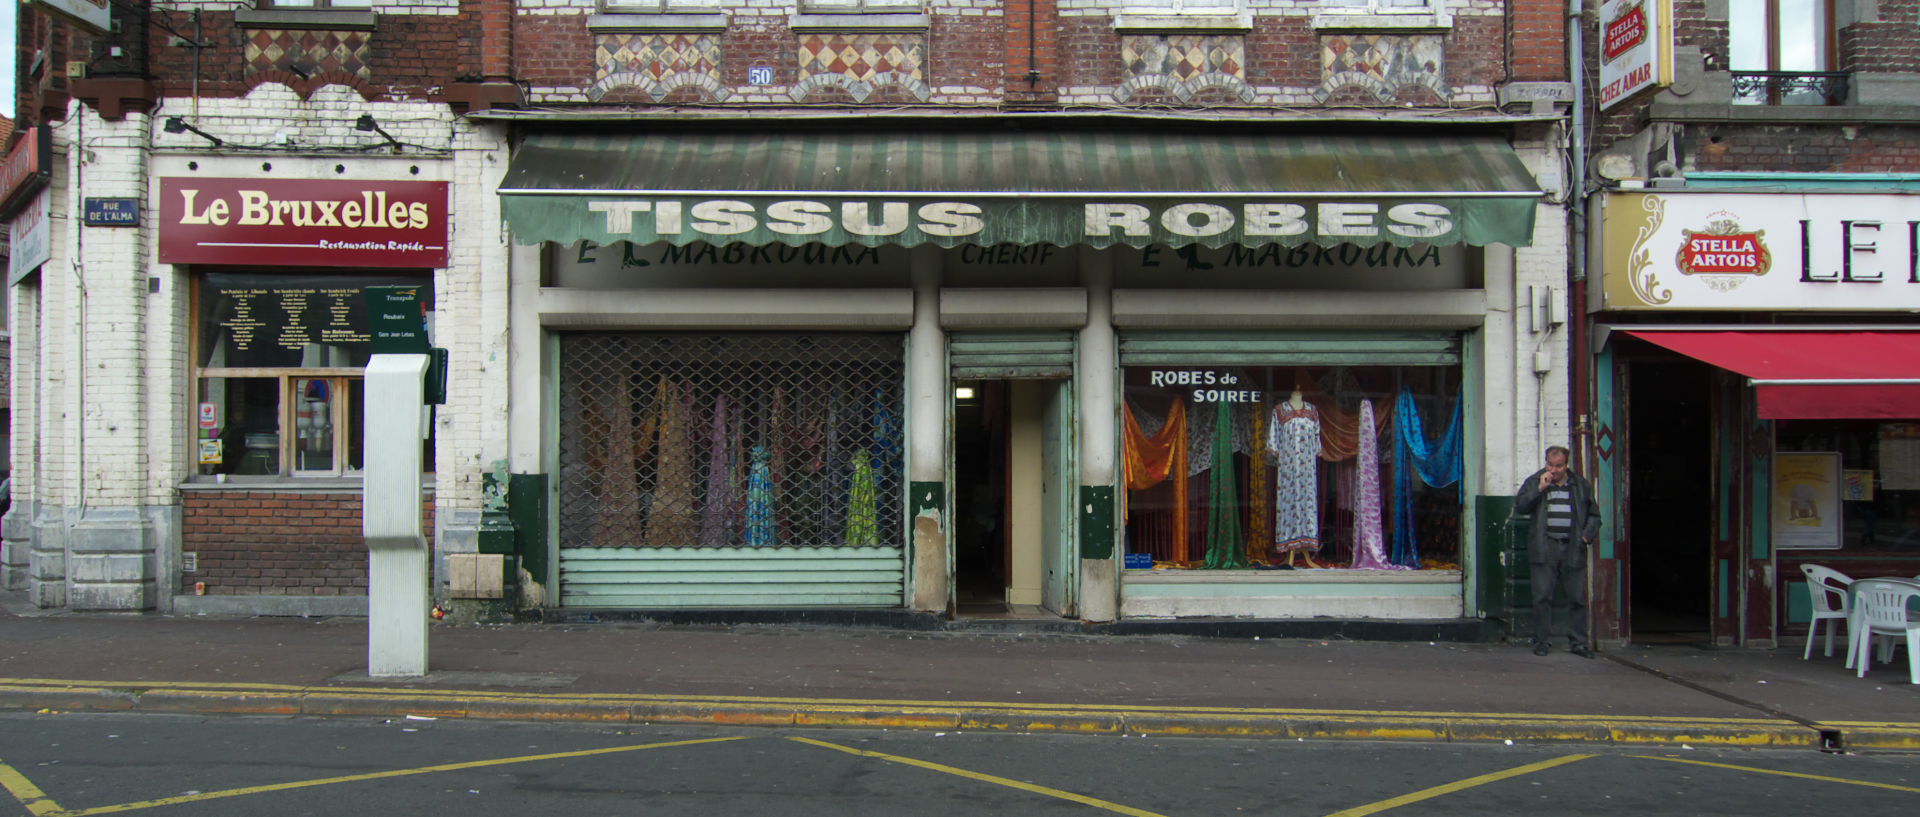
(1012, 444)
(1671, 483)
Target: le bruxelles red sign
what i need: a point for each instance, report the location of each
(303, 222)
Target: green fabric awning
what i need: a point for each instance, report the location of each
(1003, 187)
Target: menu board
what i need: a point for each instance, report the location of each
(280, 321)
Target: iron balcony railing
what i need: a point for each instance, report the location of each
(1790, 87)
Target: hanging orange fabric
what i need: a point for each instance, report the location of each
(1340, 430)
(1260, 527)
(1151, 460)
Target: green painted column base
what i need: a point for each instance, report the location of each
(1096, 521)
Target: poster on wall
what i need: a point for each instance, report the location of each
(1806, 500)
(31, 237)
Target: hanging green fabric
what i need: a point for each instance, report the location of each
(1225, 547)
(863, 527)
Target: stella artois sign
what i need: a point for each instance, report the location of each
(1776, 252)
(1723, 252)
(1624, 33)
(1634, 52)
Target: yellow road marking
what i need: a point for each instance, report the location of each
(29, 795)
(987, 778)
(1436, 791)
(53, 810)
(1802, 775)
(402, 695)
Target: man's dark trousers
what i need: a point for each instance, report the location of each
(1563, 565)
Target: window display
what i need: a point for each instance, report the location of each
(685, 440)
(1297, 467)
(280, 358)
(1879, 470)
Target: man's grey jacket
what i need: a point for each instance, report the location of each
(1586, 515)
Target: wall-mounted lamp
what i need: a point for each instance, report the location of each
(963, 393)
(175, 124)
(366, 123)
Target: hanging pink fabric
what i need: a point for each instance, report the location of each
(1369, 546)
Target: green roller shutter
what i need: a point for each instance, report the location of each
(1200, 348)
(995, 355)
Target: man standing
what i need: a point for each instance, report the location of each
(1566, 519)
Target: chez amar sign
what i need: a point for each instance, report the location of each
(1785, 252)
(303, 222)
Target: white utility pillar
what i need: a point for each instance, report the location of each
(397, 595)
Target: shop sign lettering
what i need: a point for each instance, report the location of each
(1634, 50)
(1214, 387)
(303, 222)
(1727, 251)
(724, 219)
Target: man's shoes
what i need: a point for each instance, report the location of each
(1542, 649)
(1582, 650)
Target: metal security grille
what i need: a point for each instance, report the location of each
(734, 440)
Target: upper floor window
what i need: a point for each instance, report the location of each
(657, 6)
(861, 6)
(317, 4)
(1378, 6)
(1781, 52)
(1196, 7)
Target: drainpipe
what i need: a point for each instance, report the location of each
(1577, 205)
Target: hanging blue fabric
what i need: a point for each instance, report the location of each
(1439, 465)
(759, 526)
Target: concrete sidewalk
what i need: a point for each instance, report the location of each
(819, 676)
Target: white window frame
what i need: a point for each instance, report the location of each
(1375, 14)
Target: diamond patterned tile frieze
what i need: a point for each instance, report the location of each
(308, 52)
(1184, 56)
(1383, 63)
(655, 57)
(863, 57)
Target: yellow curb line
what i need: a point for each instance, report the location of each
(978, 716)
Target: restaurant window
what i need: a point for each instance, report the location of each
(278, 362)
(1851, 485)
(1782, 53)
(731, 440)
(1250, 467)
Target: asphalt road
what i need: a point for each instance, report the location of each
(65, 765)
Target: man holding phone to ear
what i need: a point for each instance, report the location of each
(1566, 520)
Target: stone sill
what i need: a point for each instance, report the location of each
(1183, 23)
(1403, 22)
(1663, 111)
(670, 21)
(1303, 576)
(322, 19)
(869, 20)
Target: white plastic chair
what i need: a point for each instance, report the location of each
(1880, 609)
(1826, 585)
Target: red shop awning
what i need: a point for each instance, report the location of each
(1813, 375)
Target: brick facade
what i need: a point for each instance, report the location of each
(252, 543)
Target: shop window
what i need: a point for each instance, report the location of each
(278, 362)
(1878, 487)
(1781, 52)
(731, 440)
(1248, 467)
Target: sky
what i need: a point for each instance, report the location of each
(7, 10)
